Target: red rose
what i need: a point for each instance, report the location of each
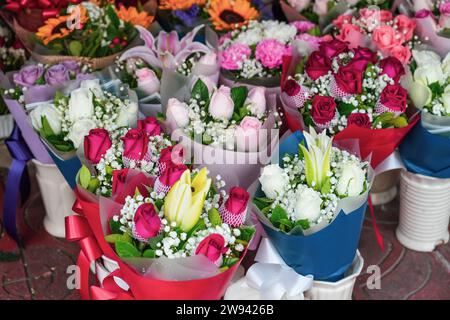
(119, 178)
(392, 67)
(18, 44)
(149, 125)
(96, 144)
(317, 65)
(359, 119)
(358, 64)
(333, 48)
(212, 247)
(366, 54)
(147, 223)
(323, 110)
(171, 155)
(393, 99)
(237, 200)
(349, 79)
(291, 87)
(172, 174)
(135, 144)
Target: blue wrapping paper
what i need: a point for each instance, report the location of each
(326, 254)
(69, 168)
(425, 153)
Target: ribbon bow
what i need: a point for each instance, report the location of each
(273, 278)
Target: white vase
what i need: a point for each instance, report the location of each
(339, 290)
(384, 187)
(6, 125)
(424, 211)
(57, 196)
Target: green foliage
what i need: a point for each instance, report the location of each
(126, 249)
(214, 217)
(85, 177)
(201, 90)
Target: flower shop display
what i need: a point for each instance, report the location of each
(312, 206)
(183, 244)
(425, 184)
(230, 129)
(350, 93)
(12, 52)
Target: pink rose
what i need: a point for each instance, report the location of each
(349, 80)
(172, 155)
(135, 144)
(270, 53)
(373, 18)
(233, 211)
(177, 113)
(299, 5)
(147, 81)
(321, 7)
(423, 13)
(317, 65)
(312, 41)
(232, 57)
(393, 98)
(366, 54)
(303, 26)
(402, 53)
(333, 48)
(385, 38)
(323, 110)
(392, 67)
(172, 174)
(221, 105)
(149, 125)
(147, 223)
(291, 87)
(247, 134)
(360, 119)
(96, 144)
(444, 19)
(342, 20)
(256, 98)
(405, 26)
(212, 247)
(352, 34)
(119, 178)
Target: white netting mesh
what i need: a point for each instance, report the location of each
(336, 92)
(297, 100)
(160, 188)
(233, 220)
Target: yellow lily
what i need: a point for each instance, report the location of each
(184, 202)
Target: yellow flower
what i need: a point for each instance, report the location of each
(231, 14)
(185, 200)
(179, 4)
(133, 16)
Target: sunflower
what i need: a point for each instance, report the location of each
(231, 14)
(179, 4)
(133, 16)
(58, 28)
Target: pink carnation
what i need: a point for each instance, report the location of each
(232, 57)
(270, 53)
(303, 26)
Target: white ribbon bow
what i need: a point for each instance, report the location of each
(273, 278)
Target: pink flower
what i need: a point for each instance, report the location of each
(247, 134)
(373, 18)
(393, 98)
(392, 67)
(150, 125)
(303, 26)
(147, 81)
(317, 65)
(256, 98)
(225, 37)
(385, 38)
(343, 19)
(299, 5)
(119, 178)
(333, 48)
(212, 247)
(172, 174)
(172, 155)
(270, 53)
(366, 54)
(135, 144)
(402, 53)
(96, 144)
(321, 7)
(233, 56)
(221, 105)
(313, 41)
(323, 110)
(444, 20)
(423, 13)
(147, 223)
(405, 26)
(233, 211)
(352, 34)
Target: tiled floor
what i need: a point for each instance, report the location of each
(39, 270)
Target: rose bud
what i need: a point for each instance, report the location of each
(256, 100)
(119, 178)
(146, 222)
(347, 81)
(366, 54)
(392, 99)
(135, 146)
(360, 119)
(169, 176)
(332, 48)
(177, 113)
(293, 94)
(234, 210)
(212, 247)
(323, 111)
(221, 105)
(96, 144)
(317, 65)
(149, 125)
(392, 67)
(147, 81)
(172, 155)
(247, 134)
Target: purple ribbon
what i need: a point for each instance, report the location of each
(18, 183)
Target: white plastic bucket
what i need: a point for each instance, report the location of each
(384, 187)
(424, 211)
(57, 196)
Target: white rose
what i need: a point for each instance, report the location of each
(308, 205)
(52, 115)
(425, 57)
(79, 130)
(221, 105)
(256, 100)
(177, 112)
(273, 180)
(351, 181)
(206, 80)
(80, 104)
(446, 101)
(420, 94)
(429, 74)
(127, 116)
(446, 64)
(94, 86)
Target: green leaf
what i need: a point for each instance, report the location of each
(75, 48)
(153, 241)
(345, 108)
(238, 95)
(303, 223)
(199, 226)
(85, 177)
(399, 122)
(207, 139)
(214, 217)
(278, 214)
(326, 186)
(314, 31)
(149, 253)
(262, 203)
(113, 238)
(126, 250)
(161, 117)
(114, 226)
(201, 90)
(93, 185)
(247, 233)
(113, 16)
(228, 262)
(159, 203)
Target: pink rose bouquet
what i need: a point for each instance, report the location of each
(379, 30)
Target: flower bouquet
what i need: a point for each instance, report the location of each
(183, 244)
(166, 66)
(312, 206)
(221, 126)
(350, 93)
(12, 53)
(85, 32)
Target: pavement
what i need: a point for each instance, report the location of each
(39, 270)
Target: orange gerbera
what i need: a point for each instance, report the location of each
(61, 27)
(179, 4)
(133, 16)
(231, 14)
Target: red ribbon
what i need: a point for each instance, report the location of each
(378, 235)
(50, 8)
